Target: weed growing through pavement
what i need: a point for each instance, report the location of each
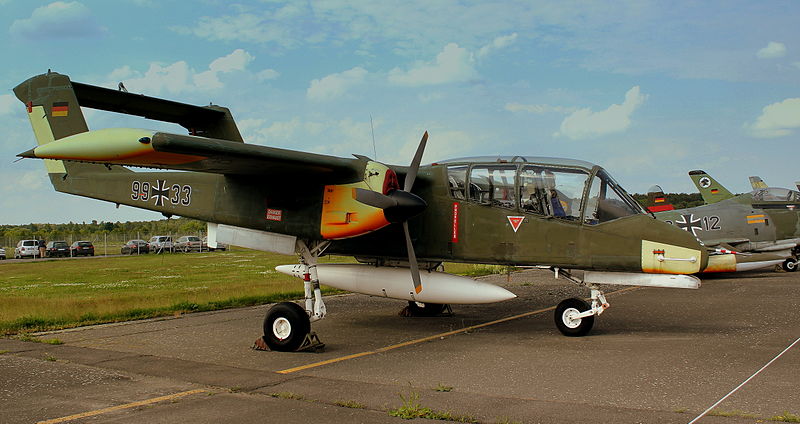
(412, 408)
(442, 388)
(49, 357)
(286, 395)
(787, 417)
(350, 404)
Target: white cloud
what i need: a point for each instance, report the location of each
(777, 119)
(773, 50)
(236, 61)
(267, 74)
(496, 44)
(7, 104)
(585, 123)
(452, 64)
(335, 85)
(57, 20)
(538, 109)
(179, 77)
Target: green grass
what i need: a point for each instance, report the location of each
(787, 417)
(54, 294)
(350, 404)
(411, 409)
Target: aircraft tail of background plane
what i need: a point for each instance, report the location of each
(658, 200)
(709, 188)
(757, 183)
(797, 183)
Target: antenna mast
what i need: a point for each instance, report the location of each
(374, 149)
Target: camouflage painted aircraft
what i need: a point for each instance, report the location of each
(764, 222)
(400, 222)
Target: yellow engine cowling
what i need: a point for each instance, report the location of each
(343, 216)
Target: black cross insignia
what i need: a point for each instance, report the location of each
(160, 193)
(688, 222)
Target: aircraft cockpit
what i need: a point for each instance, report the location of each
(776, 194)
(563, 189)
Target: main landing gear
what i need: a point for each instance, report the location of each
(287, 326)
(575, 317)
(790, 265)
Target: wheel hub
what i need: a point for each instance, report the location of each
(566, 318)
(281, 328)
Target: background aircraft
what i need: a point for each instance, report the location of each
(400, 222)
(766, 220)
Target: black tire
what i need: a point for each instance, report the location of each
(789, 265)
(285, 327)
(575, 328)
(425, 309)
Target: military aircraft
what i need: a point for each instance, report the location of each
(400, 222)
(765, 221)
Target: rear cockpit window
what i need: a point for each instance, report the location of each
(457, 180)
(493, 185)
(776, 194)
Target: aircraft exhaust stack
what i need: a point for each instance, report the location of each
(393, 283)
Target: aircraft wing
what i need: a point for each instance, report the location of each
(146, 148)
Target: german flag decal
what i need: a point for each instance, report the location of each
(60, 109)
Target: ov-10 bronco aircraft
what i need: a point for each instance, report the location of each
(400, 222)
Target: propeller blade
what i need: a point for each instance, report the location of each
(412, 261)
(374, 199)
(412, 172)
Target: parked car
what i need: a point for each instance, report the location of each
(26, 248)
(189, 244)
(81, 248)
(2, 253)
(220, 246)
(55, 249)
(132, 247)
(159, 244)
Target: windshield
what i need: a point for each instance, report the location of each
(608, 201)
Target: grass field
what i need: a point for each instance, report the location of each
(50, 294)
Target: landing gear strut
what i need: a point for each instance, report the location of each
(575, 317)
(287, 326)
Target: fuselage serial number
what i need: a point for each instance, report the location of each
(162, 193)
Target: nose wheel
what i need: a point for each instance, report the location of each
(789, 265)
(569, 320)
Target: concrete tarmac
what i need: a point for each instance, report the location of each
(657, 355)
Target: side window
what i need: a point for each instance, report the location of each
(457, 180)
(493, 185)
(552, 191)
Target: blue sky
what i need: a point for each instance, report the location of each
(647, 89)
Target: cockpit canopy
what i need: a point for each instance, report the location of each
(776, 194)
(566, 189)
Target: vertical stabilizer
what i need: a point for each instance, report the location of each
(757, 183)
(657, 200)
(709, 188)
(54, 113)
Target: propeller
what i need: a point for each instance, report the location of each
(401, 205)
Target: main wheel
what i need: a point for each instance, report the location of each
(286, 326)
(419, 309)
(573, 327)
(790, 265)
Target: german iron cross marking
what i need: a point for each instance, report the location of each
(160, 193)
(688, 223)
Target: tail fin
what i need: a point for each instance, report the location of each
(54, 113)
(757, 183)
(797, 183)
(657, 200)
(709, 188)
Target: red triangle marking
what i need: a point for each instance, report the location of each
(515, 221)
